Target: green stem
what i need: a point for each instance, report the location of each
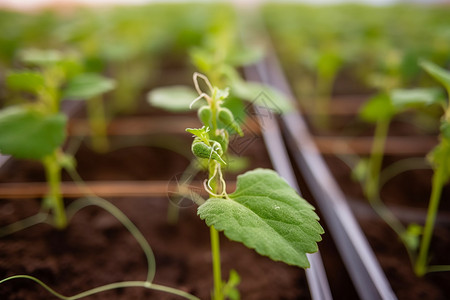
(107, 287)
(92, 199)
(53, 173)
(376, 159)
(98, 124)
(215, 243)
(322, 105)
(372, 183)
(217, 273)
(436, 190)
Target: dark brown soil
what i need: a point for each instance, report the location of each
(96, 249)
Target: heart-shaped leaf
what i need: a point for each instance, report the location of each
(266, 214)
(26, 133)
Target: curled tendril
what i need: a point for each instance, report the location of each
(199, 91)
(207, 183)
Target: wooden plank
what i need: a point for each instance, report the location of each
(399, 145)
(100, 188)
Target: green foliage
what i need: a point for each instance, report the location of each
(266, 214)
(86, 86)
(378, 108)
(172, 98)
(27, 81)
(404, 98)
(27, 133)
(230, 289)
(438, 73)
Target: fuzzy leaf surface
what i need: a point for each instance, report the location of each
(26, 133)
(266, 214)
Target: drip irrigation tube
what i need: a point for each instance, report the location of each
(316, 276)
(368, 278)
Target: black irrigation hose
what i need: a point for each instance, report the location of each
(316, 277)
(364, 269)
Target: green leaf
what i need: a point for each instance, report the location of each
(26, 81)
(173, 98)
(41, 57)
(438, 73)
(230, 290)
(26, 133)
(266, 214)
(378, 108)
(262, 95)
(404, 98)
(440, 158)
(87, 86)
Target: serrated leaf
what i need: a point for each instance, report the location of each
(26, 81)
(438, 73)
(25, 133)
(266, 214)
(174, 98)
(404, 98)
(379, 107)
(87, 86)
(262, 95)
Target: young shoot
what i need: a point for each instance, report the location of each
(264, 212)
(37, 129)
(381, 110)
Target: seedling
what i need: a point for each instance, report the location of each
(264, 212)
(36, 129)
(440, 162)
(381, 109)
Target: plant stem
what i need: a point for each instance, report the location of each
(436, 190)
(97, 120)
(376, 160)
(53, 173)
(215, 242)
(217, 273)
(372, 184)
(107, 287)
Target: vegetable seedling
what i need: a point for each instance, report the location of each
(37, 129)
(381, 110)
(264, 212)
(440, 162)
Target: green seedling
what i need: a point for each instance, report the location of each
(37, 129)
(380, 110)
(91, 87)
(219, 58)
(264, 212)
(440, 162)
